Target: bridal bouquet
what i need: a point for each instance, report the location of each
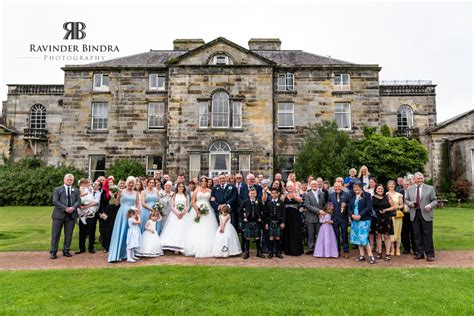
(114, 190)
(203, 210)
(180, 207)
(158, 207)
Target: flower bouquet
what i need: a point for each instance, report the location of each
(114, 190)
(203, 210)
(180, 207)
(159, 207)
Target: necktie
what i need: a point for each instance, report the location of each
(222, 186)
(238, 188)
(69, 197)
(417, 203)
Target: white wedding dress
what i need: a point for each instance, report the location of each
(200, 236)
(173, 236)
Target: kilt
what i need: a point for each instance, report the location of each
(274, 229)
(251, 230)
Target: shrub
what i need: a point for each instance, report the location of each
(31, 182)
(461, 188)
(123, 168)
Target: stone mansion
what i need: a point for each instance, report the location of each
(206, 108)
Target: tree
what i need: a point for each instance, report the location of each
(123, 168)
(389, 157)
(326, 152)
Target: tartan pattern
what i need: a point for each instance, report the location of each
(251, 230)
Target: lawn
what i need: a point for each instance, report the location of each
(29, 228)
(229, 290)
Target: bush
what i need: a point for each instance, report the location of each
(31, 182)
(461, 188)
(123, 168)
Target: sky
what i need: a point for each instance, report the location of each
(409, 40)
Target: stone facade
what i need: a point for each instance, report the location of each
(195, 73)
(458, 133)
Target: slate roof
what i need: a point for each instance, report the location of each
(153, 58)
(299, 58)
(450, 121)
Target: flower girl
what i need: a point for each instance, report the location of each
(226, 240)
(151, 243)
(133, 234)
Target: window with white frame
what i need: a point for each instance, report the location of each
(286, 115)
(156, 115)
(404, 118)
(153, 163)
(99, 116)
(96, 166)
(194, 165)
(285, 82)
(101, 82)
(342, 82)
(219, 158)
(244, 164)
(203, 114)
(157, 81)
(342, 113)
(220, 110)
(236, 114)
(37, 117)
(220, 59)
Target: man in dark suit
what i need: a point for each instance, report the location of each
(340, 217)
(242, 189)
(66, 200)
(421, 198)
(320, 183)
(314, 203)
(225, 193)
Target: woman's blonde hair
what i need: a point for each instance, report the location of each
(366, 169)
(130, 179)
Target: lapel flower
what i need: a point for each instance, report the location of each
(72, 189)
(278, 204)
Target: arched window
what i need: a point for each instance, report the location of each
(219, 158)
(220, 59)
(404, 118)
(220, 110)
(37, 118)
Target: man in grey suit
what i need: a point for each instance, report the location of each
(66, 200)
(314, 203)
(421, 198)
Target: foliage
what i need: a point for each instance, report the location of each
(461, 188)
(389, 157)
(203, 290)
(30, 182)
(326, 152)
(123, 168)
(449, 198)
(385, 131)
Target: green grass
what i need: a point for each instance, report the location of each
(224, 290)
(29, 228)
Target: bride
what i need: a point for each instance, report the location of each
(201, 232)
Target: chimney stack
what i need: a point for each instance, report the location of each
(264, 44)
(187, 43)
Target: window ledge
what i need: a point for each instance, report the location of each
(101, 92)
(154, 130)
(286, 92)
(93, 131)
(156, 92)
(213, 129)
(341, 92)
(289, 130)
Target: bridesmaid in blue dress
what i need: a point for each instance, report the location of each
(148, 199)
(127, 198)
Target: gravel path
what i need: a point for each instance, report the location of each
(39, 260)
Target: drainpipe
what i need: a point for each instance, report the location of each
(448, 149)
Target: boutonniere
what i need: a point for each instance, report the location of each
(256, 202)
(72, 190)
(278, 204)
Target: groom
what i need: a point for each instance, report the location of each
(66, 200)
(225, 193)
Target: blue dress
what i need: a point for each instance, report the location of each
(359, 229)
(118, 242)
(150, 199)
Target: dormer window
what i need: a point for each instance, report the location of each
(220, 59)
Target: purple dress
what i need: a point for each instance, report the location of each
(326, 245)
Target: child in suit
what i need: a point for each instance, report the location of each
(274, 222)
(251, 215)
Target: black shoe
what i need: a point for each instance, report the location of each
(430, 259)
(53, 255)
(79, 252)
(309, 252)
(246, 255)
(260, 255)
(91, 251)
(406, 252)
(270, 255)
(67, 254)
(418, 257)
(279, 255)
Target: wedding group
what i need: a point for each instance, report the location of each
(228, 215)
